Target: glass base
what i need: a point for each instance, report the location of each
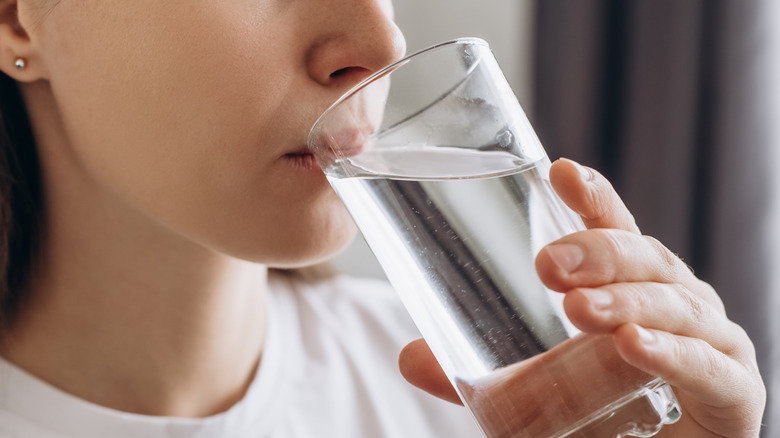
(640, 414)
(581, 388)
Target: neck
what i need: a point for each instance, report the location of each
(125, 313)
(153, 336)
(155, 333)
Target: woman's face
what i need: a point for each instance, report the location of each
(195, 112)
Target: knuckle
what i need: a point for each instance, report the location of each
(669, 261)
(601, 197)
(742, 347)
(712, 364)
(636, 298)
(696, 350)
(699, 312)
(709, 294)
(613, 242)
(613, 249)
(607, 204)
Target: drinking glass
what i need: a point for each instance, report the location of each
(448, 183)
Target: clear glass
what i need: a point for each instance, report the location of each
(447, 181)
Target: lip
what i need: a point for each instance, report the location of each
(343, 144)
(302, 158)
(350, 142)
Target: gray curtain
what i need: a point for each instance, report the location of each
(674, 100)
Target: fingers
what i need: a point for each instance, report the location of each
(617, 281)
(662, 306)
(420, 368)
(591, 196)
(728, 392)
(597, 257)
(594, 258)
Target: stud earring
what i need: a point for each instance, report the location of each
(20, 63)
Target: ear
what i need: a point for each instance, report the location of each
(19, 56)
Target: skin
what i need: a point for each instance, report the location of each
(663, 319)
(170, 136)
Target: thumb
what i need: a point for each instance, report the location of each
(420, 368)
(589, 194)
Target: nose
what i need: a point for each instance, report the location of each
(358, 38)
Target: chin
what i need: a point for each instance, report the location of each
(298, 249)
(300, 230)
(315, 252)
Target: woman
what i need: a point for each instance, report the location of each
(165, 172)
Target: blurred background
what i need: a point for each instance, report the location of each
(676, 102)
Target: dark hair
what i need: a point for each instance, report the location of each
(21, 205)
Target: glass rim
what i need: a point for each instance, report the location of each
(389, 69)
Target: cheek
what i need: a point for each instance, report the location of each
(159, 84)
(154, 105)
(189, 131)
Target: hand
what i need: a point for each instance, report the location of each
(663, 319)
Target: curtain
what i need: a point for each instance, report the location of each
(676, 103)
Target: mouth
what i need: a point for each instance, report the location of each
(345, 144)
(302, 158)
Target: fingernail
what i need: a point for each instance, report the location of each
(645, 337)
(568, 257)
(585, 174)
(599, 299)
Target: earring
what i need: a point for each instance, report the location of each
(20, 63)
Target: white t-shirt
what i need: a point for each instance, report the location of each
(329, 369)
